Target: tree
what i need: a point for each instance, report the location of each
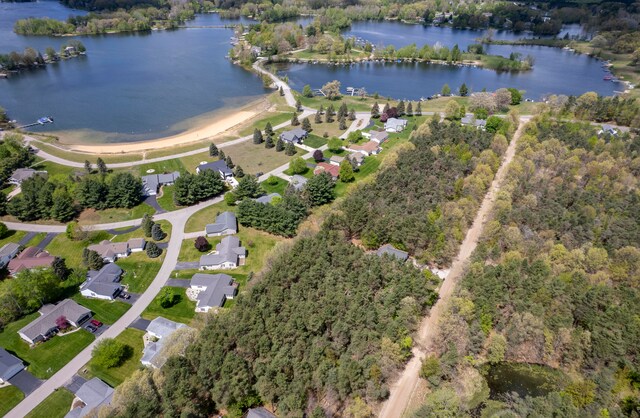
(202, 244)
(452, 110)
(317, 118)
(294, 120)
(92, 259)
(290, 149)
(503, 99)
(3, 204)
(109, 353)
(409, 109)
(306, 91)
(213, 150)
(238, 172)
(496, 348)
(446, 90)
(229, 162)
(146, 225)
(268, 143)
(157, 233)
(4, 230)
(153, 251)
(298, 165)
(248, 187)
(419, 109)
(298, 106)
(230, 198)
(328, 117)
(516, 96)
(342, 123)
(279, 145)
(375, 111)
(168, 298)
(400, 108)
(332, 90)
(354, 136)
(318, 156)
(352, 114)
(221, 155)
(494, 124)
(463, 90)
(268, 129)
(61, 322)
(87, 167)
(102, 167)
(342, 110)
(62, 209)
(320, 189)
(60, 268)
(306, 124)
(124, 190)
(257, 136)
(334, 144)
(346, 171)
(281, 91)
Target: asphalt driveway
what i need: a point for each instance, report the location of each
(25, 381)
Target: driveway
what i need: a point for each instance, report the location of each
(75, 383)
(23, 242)
(99, 331)
(179, 283)
(133, 297)
(25, 381)
(187, 265)
(140, 324)
(153, 202)
(50, 236)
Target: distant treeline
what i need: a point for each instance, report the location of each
(30, 58)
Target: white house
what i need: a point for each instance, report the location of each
(157, 332)
(103, 284)
(225, 224)
(10, 365)
(228, 255)
(92, 395)
(212, 290)
(45, 326)
(395, 125)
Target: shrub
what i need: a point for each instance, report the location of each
(110, 353)
(201, 244)
(153, 251)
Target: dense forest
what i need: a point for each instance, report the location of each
(554, 282)
(323, 329)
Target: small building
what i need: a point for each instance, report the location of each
(259, 413)
(137, 245)
(92, 395)
(228, 254)
(294, 136)
(10, 365)
(212, 290)
(219, 166)
(336, 160)
(152, 182)
(298, 182)
(392, 251)
(470, 120)
(7, 252)
(22, 174)
(333, 170)
(226, 224)
(103, 283)
(30, 258)
(395, 125)
(608, 130)
(45, 326)
(378, 136)
(111, 251)
(368, 148)
(158, 331)
(268, 198)
(356, 158)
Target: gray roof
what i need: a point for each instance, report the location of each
(470, 119)
(22, 174)
(226, 221)
(94, 393)
(219, 166)
(218, 288)
(135, 243)
(267, 198)
(298, 181)
(395, 122)
(7, 361)
(162, 327)
(391, 250)
(293, 135)
(153, 181)
(108, 249)
(104, 281)
(41, 326)
(379, 136)
(336, 158)
(259, 413)
(608, 128)
(227, 250)
(9, 249)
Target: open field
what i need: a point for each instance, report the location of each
(139, 270)
(92, 216)
(55, 406)
(183, 311)
(279, 186)
(275, 118)
(10, 396)
(70, 250)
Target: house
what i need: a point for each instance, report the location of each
(226, 224)
(378, 136)
(92, 395)
(104, 283)
(333, 170)
(7, 252)
(219, 166)
(111, 251)
(266, 199)
(212, 290)
(137, 245)
(30, 258)
(10, 365)
(357, 158)
(395, 125)
(294, 136)
(227, 255)
(392, 251)
(158, 331)
(22, 174)
(470, 120)
(368, 148)
(152, 182)
(298, 182)
(336, 160)
(259, 413)
(45, 326)
(608, 130)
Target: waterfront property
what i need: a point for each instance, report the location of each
(157, 333)
(390, 250)
(92, 394)
(228, 254)
(30, 258)
(212, 290)
(219, 166)
(7, 252)
(104, 283)
(294, 136)
(10, 365)
(22, 174)
(268, 198)
(395, 125)
(332, 169)
(46, 326)
(225, 224)
(151, 183)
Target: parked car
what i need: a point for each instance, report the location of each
(96, 323)
(124, 295)
(92, 328)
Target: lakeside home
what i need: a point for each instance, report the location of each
(219, 166)
(151, 183)
(22, 174)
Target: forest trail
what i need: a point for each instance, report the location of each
(402, 390)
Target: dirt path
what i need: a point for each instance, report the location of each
(403, 388)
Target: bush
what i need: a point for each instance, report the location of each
(168, 298)
(157, 233)
(318, 156)
(298, 165)
(153, 251)
(3, 230)
(110, 353)
(201, 244)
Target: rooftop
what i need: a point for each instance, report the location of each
(392, 251)
(93, 393)
(9, 249)
(219, 165)
(224, 221)
(7, 361)
(103, 281)
(40, 326)
(267, 198)
(228, 250)
(218, 288)
(30, 258)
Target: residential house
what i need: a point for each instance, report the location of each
(357, 158)
(470, 120)
(333, 170)
(30, 258)
(92, 395)
(22, 174)
(368, 148)
(378, 136)
(10, 365)
(219, 166)
(7, 252)
(294, 136)
(268, 198)
(259, 413)
(152, 182)
(336, 160)
(226, 224)
(157, 333)
(111, 251)
(395, 125)
(392, 251)
(212, 290)
(137, 245)
(45, 326)
(608, 130)
(103, 283)
(227, 255)
(298, 182)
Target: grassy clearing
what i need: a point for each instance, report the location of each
(166, 199)
(10, 396)
(82, 157)
(92, 216)
(166, 166)
(103, 310)
(275, 119)
(56, 170)
(357, 103)
(315, 141)
(254, 158)
(13, 236)
(45, 358)
(116, 375)
(56, 405)
(319, 129)
(278, 187)
(140, 270)
(205, 216)
(139, 233)
(183, 311)
(70, 250)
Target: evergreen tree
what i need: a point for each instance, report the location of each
(331, 110)
(269, 142)
(229, 162)
(400, 108)
(419, 109)
(320, 189)
(279, 145)
(346, 171)
(306, 91)
(213, 150)
(60, 268)
(281, 91)
(257, 136)
(386, 108)
(3, 230)
(87, 167)
(342, 123)
(3, 204)
(409, 109)
(328, 117)
(146, 225)
(298, 106)
(153, 251)
(343, 111)
(321, 110)
(306, 124)
(157, 233)
(125, 190)
(318, 118)
(239, 172)
(94, 260)
(464, 91)
(352, 114)
(294, 120)
(375, 111)
(248, 187)
(62, 209)
(102, 167)
(221, 155)
(268, 130)
(446, 90)
(290, 149)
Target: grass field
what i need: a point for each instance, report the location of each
(46, 358)
(279, 187)
(315, 141)
(183, 311)
(140, 270)
(91, 216)
(70, 250)
(166, 200)
(103, 310)
(82, 157)
(205, 216)
(274, 118)
(139, 233)
(55, 405)
(10, 396)
(116, 375)
(12, 236)
(357, 103)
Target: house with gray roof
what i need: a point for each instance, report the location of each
(225, 224)
(228, 254)
(259, 413)
(212, 290)
(22, 174)
(390, 250)
(157, 332)
(336, 160)
(111, 251)
(137, 244)
(152, 182)
(357, 158)
(377, 136)
(268, 198)
(103, 284)
(92, 395)
(298, 182)
(294, 136)
(470, 120)
(219, 166)
(608, 130)
(395, 125)
(45, 326)
(7, 252)
(10, 365)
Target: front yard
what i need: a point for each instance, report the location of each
(10, 396)
(140, 270)
(56, 405)
(183, 311)
(103, 310)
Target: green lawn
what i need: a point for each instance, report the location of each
(315, 141)
(139, 233)
(205, 216)
(166, 166)
(45, 358)
(166, 200)
(103, 310)
(91, 216)
(279, 187)
(56, 170)
(116, 375)
(140, 270)
(55, 405)
(12, 236)
(183, 311)
(10, 396)
(70, 250)
(82, 157)
(357, 103)
(274, 118)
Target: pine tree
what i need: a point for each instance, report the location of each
(306, 124)
(400, 108)
(464, 90)
(290, 149)
(157, 233)
(321, 110)
(60, 268)
(257, 136)
(239, 172)
(279, 145)
(342, 123)
(94, 260)
(221, 155)
(352, 114)
(102, 167)
(298, 106)
(62, 209)
(229, 162)
(153, 251)
(331, 110)
(386, 108)
(342, 111)
(269, 142)
(375, 111)
(213, 150)
(327, 117)
(318, 118)
(419, 109)
(87, 167)
(281, 91)
(268, 130)
(294, 120)
(146, 225)
(409, 109)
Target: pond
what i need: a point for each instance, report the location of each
(523, 379)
